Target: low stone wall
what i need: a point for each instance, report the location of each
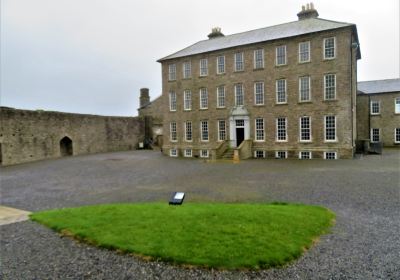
(34, 135)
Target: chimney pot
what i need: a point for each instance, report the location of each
(307, 12)
(215, 32)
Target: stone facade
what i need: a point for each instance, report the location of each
(34, 135)
(343, 66)
(386, 121)
(152, 114)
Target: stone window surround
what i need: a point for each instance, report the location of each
(204, 131)
(259, 129)
(397, 135)
(239, 63)
(334, 128)
(278, 154)
(259, 93)
(397, 105)
(203, 64)
(221, 131)
(328, 155)
(307, 89)
(375, 135)
(173, 152)
(279, 91)
(325, 86)
(188, 153)
(204, 153)
(173, 134)
(187, 100)
(281, 127)
(301, 129)
(172, 101)
(375, 105)
(221, 64)
(280, 55)
(172, 72)
(188, 127)
(308, 52)
(324, 48)
(258, 59)
(203, 92)
(187, 69)
(221, 96)
(305, 155)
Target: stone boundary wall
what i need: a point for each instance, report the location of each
(34, 135)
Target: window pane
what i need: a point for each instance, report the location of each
(281, 91)
(239, 95)
(304, 89)
(329, 47)
(259, 93)
(221, 96)
(330, 86)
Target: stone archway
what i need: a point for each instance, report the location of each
(66, 147)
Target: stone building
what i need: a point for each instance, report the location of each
(287, 90)
(378, 111)
(152, 114)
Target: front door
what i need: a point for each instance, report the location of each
(239, 135)
(239, 132)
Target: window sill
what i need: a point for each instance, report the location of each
(280, 65)
(187, 110)
(329, 58)
(331, 141)
(203, 76)
(281, 103)
(259, 105)
(304, 102)
(171, 81)
(238, 71)
(304, 62)
(281, 141)
(305, 141)
(330, 100)
(258, 69)
(221, 74)
(203, 109)
(185, 79)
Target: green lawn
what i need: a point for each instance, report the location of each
(215, 235)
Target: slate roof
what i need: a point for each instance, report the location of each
(379, 86)
(290, 29)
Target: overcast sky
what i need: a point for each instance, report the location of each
(93, 56)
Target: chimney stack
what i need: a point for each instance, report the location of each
(215, 32)
(144, 97)
(307, 12)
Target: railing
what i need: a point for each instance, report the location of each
(220, 150)
(245, 150)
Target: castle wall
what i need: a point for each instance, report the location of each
(34, 135)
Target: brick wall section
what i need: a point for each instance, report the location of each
(316, 109)
(34, 135)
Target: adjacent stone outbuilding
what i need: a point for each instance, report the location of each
(378, 111)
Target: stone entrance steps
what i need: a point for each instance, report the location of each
(228, 154)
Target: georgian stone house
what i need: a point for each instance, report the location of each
(287, 90)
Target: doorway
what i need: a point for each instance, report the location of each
(239, 132)
(66, 147)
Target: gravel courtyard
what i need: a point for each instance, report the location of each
(364, 193)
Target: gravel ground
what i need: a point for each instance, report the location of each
(364, 193)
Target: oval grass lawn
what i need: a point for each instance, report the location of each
(228, 236)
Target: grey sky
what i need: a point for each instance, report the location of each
(93, 56)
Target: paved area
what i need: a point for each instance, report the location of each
(364, 193)
(10, 215)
